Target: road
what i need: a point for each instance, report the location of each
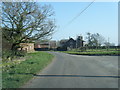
(77, 71)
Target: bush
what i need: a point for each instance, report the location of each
(61, 48)
(82, 49)
(8, 55)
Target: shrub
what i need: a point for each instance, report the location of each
(8, 55)
(83, 49)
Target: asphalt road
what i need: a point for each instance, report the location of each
(76, 71)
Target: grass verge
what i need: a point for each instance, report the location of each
(17, 75)
(116, 53)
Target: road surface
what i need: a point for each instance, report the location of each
(77, 71)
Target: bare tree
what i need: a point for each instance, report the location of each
(95, 39)
(89, 39)
(98, 39)
(23, 20)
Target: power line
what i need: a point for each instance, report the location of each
(80, 13)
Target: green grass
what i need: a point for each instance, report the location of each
(18, 74)
(93, 52)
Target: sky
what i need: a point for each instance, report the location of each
(100, 17)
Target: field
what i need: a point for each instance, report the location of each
(94, 52)
(15, 73)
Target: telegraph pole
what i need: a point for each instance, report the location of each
(108, 43)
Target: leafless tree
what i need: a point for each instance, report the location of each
(23, 20)
(95, 39)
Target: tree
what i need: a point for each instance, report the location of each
(112, 44)
(26, 20)
(107, 44)
(89, 39)
(95, 39)
(98, 39)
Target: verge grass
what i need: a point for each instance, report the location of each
(18, 74)
(93, 52)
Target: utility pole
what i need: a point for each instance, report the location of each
(108, 43)
(76, 42)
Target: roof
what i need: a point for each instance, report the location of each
(72, 39)
(42, 43)
(63, 40)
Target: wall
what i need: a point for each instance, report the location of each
(29, 47)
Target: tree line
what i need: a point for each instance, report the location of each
(97, 40)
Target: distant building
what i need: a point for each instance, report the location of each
(62, 43)
(46, 45)
(42, 46)
(52, 44)
(79, 42)
(28, 47)
(71, 43)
